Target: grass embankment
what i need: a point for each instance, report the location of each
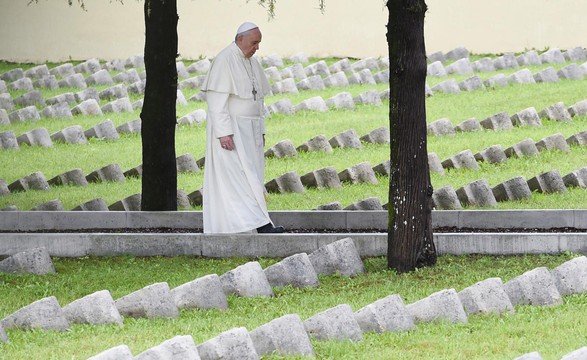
(303, 126)
(553, 331)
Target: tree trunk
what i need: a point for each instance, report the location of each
(410, 242)
(159, 180)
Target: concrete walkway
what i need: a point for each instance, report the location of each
(366, 228)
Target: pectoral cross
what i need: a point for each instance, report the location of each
(254, 94)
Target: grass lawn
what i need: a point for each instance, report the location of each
(553, 331)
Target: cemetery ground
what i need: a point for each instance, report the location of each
(553, 331)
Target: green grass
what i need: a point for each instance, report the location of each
(553, 331)
(304, 126)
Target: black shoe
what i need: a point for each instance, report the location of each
(270, 229)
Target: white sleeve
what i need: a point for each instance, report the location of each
(218, 115)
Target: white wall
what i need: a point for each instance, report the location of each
(52, 31)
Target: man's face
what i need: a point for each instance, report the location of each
(249, 43)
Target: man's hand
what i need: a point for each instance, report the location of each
(227, 143)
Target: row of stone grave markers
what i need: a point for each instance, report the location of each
(464, 66)
(531, 57)
(289, 335)
(328, 177)
(315, 71)
(106, 130)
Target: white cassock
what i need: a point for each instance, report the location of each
(234, 190)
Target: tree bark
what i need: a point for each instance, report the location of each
(158, 116)
(410, 242)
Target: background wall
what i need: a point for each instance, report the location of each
(53, 31)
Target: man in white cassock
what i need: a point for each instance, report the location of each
(234, 190)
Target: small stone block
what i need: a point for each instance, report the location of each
(179, 347)
(130, 203)
(360, 173)
(338, 257)
(577, 178)
(289, 182)
(285, 336)
(463, 160)
(111, 172)
(580, 354)
(202, 293)
(34, 261)
(443, 305)
(571, 277)
(96, 309)
(530, 356)
(486, 297)
(295, 270)
(282, 149)
(548, 182)
(492, 155)
(74, 177)
(372, 203)
(121, 352)
(556, 112)
(441, 127)
(446, 198)
(51, 205)
(98, 204)
(387, 314)
(318, 143)
(499, 121)
(512, 190)
(525, 147)
(346, 139)
(337, 323)
(234, 344)
(526, 117)
(553, 142)
(434, 164)
(44, 314)
(247, 280)
(477, 193)
(534, 287)
(152, 301)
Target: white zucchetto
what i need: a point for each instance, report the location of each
(246, 27)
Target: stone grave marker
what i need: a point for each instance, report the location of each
(3, 336)
(492, 155)
(360, 173)
(317, 68)
(88, 107)
(444, 305)
(152, 301)
(29, 113)
(104, 130)
(73, 81)
(333, 206)
(178, 347)
(526, 147)
(282, 149)
(234, 344)
(437, 56)
(387, 314)
(556, 112)
(529, 58)
(34, 181)
(74, 177)
(486, 297)
(48, 82)
(548, 182)
(470, 124)
(578, 109)
(337, 79)
(343, 65)
(60, 110)
(346, 139)
(6, 102)
(87, 94)
(534, 287)
(295, 270)
(4, 188)
(114, 92)
(450, 86)
(131, 127)
(322, 178)
(118, 106)
(137, 88)
(526, 117)
(71, 135)
(552, 56)
(44, 314)
(186, 164)
(471, 84)
(283, 106)
(523, 76)
(512, 189)
(372, 203)
(446, 198)
(477, 193)
(96, 309)
(378, 136)
(22, 84)
(34, 261)
(12, 75)
(101, 77)
(285, 336)
(460, 67)
(200, 66)
(130, 203)
(202, 293)
(121, 352)
(300, 57)
(434, 164)
(343, 100)
(506, 61)
(285, 86)
(315, 103)
(463, 160)
(575, 54)
(340, 257)
(337, 323)
(436, 69)
(93, 205)
(577, 178)
(382, 77)
(579, 354)
(111, 172)
(441, 127)
(314, 82)
(571, 277)
(571, 72)
(246, 280)
(289, 182)
(31, 98)
(485, 64)
(548, 75)
(553, 142)
(370, 97)
(51, 205)
(89, 66)
(499, 121)
(317, 143)
(496, 80)
(457, 53)
(8, 140)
